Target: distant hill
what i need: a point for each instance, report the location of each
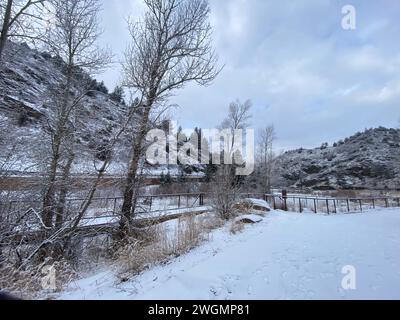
(367, 160)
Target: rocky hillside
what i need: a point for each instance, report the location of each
(28, 79)
(368, 160)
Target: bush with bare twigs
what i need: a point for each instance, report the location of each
(159, 244)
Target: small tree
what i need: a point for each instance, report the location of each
(226, 184)
(266, 157)
(210, 172)
(238, 117)
(225, 191)
(165, 179)
(118, 94)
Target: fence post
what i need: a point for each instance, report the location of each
(300, 206)
(327, 205)
(387, 202)
(373, 203)
(334, 203)
(115, 206)
(348, 205)
(361, 208)
(284, 199)
(11, 205)
(315, 206)
(274, 201)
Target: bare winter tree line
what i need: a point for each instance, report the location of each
(170, 47)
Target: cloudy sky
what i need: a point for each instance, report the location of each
(308, 76)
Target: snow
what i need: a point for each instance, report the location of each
(285, 256)
(259, 203)
(252, 218)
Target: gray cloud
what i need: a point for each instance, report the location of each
(315, 81)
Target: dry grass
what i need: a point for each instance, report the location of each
(159, 244)
(29, 282)
(236, 227)
(22, 284)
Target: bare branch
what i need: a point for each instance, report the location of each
(20, 19)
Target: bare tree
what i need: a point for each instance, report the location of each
(238, 115)
(225, 191)
(170, 48)
(18, 18)
(238, 119)
(226, 185)
(266, 157)
(72, 37)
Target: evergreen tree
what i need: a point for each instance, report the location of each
(118, 95)
(210, 172)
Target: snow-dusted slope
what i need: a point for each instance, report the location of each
(366, 160)
(287, 256)
(28, 80)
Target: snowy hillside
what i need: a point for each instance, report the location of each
(28, 79)
(288, 256)
(366, 160)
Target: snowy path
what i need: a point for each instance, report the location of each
(286, 256)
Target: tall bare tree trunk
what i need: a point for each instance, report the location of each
(48, 200)
(170, 48)
(49, 197)
(5, 28)
(129, 203)
(64, 192)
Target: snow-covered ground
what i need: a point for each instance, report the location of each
(286, 256)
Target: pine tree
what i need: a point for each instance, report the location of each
(210, 172)
(118, 95)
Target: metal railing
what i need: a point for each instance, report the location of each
(153, 205)
(331, 205)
